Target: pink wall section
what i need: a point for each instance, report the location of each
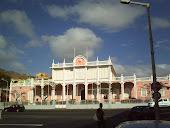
(24, 93)
(58, 91)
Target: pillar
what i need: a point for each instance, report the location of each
(110, 94)
(135, 88)
(10, 90)
(64, 91)
(98, 92)
(74, 91)
(42, 90)
(86, 91)
(122, 88)
(53, 92)
(42, 93)
(32, 91)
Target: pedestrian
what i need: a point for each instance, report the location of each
(100, 116)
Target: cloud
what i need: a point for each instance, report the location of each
(78, 38)
(141, 70)
(160, 23)
(108, 15)
(9, 57)
(161, 42)
(19, 20)
(21, 23)
(62, 13)
(2, 42)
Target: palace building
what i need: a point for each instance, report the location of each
(84, 80)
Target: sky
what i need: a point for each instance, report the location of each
(34, 32)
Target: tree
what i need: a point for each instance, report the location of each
(3, 84)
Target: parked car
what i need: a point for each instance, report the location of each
(164, 102)
(141, 112)
(15, 108)
(145, 124)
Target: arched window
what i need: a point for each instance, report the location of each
(126, 92)
(143, 92)
(115, 93)
(71, 93)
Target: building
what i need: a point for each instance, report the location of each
(83, 80)
(42, 75)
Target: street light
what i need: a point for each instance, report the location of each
(152, 55)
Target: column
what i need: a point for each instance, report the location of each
(53, 92)
(42, 93)
(9, 91)
(110, 94)
(98, 92)
(32, 91)
(122, 88)
(135, 88)
(42, 90)
(64, 91)
(86, 91)
(74, 91)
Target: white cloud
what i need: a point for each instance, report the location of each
(141, 70)
(9, 57)
(56, 11)
(160, 23)
(160, 43)
(78, 38)
(2, 42)
(109, 15)
(34, 43)
(21, 23)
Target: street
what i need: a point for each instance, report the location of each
(60, 118)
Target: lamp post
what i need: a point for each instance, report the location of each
(152, 54)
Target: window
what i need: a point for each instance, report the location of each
(92, 73)
(143, 92)
(69, 74)
(103, 72)
(127, 92)
(80, 73)
(162, 92)
(115, 93)
(59, 74)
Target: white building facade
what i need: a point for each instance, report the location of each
(83, 80)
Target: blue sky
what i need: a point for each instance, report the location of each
(34, 32)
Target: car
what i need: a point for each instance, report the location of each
(141, 112)
(163, 102)
(144, 124)
(15, 108)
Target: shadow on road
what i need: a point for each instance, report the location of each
(111, 122)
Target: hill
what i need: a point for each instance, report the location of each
(14, 75)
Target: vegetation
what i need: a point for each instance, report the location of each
(3, 80)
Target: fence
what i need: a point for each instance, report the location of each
(76, 104)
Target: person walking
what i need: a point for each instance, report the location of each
(100, 116)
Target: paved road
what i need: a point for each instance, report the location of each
(58, 118)
(65, 118)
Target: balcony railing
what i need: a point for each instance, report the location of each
(144, 79)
